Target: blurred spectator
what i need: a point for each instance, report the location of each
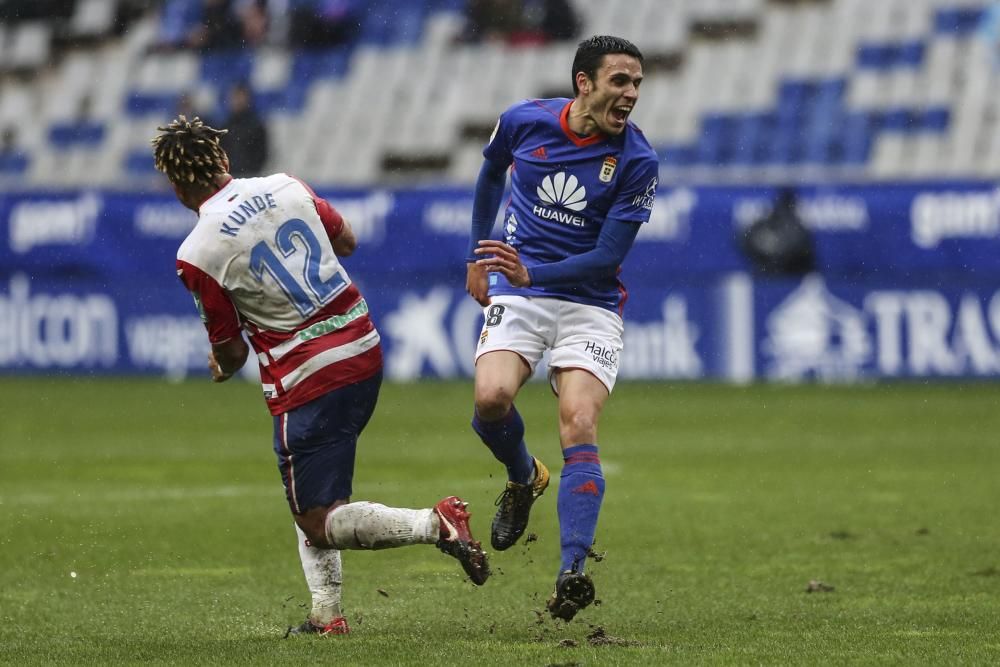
(491, 20)
(323, 23)
(12, 159)
(247, 140)
(548, 21)
(199, 24)
(219, 28)
(254, 21)
(32, 10)
(779, 244)
(520, 22)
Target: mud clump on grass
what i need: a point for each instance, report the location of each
(597, 556)
(598, 637)
(816, 586)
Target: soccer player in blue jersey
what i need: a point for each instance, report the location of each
(583, 180)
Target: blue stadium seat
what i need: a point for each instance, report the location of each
(139, 163)
(14, 163)
(911, 54)
(326, 63)
(958, 21)
(935, 119)
(225, 68)
(890, 55)
(747, 132)
(714, 139)
(876, 56)
(66, 135)
(676, 155)
(856, 139)
(142, 104)
(900, 120)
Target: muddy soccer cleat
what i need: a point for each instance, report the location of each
(456, 539)
(574, 591)
(514, 507)
(337, 626)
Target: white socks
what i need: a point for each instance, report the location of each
(323, 576)
(364, 525)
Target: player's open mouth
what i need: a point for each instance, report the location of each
(620, 114)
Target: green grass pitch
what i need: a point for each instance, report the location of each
(723, 503)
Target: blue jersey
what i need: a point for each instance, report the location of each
(564, 188)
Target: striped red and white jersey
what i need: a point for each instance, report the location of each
(261, 259)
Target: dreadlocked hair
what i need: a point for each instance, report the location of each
(188, 152)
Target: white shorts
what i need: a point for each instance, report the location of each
(577, 335)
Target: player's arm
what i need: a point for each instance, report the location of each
(337, 228)
(486, 202)
(339, 231)
(227, 357)
(613, 243)
(229, 349)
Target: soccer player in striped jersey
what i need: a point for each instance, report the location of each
(263, 261)
(583, 180)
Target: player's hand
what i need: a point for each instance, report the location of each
(218, 375)
(499, 257)
(477, 283)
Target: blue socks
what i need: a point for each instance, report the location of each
(505, 438)
(581, 490)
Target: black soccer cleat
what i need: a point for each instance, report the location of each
(514, 508)
(574, 591)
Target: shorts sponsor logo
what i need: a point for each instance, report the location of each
(603, 356)
(483, 337)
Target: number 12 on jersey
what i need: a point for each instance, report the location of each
(309, 293)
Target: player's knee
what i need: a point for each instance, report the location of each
(577, 426)
(313, 524)
(493, 403)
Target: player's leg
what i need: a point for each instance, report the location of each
(316, 445)
(323, 573)
(514, 336)
(584, 368)
(581, 487)
(499, 376)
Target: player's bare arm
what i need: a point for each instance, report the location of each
(499, 257)
(346, 242)
(477, 283)
(227, 358)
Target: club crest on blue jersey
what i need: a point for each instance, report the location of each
(608, 169)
